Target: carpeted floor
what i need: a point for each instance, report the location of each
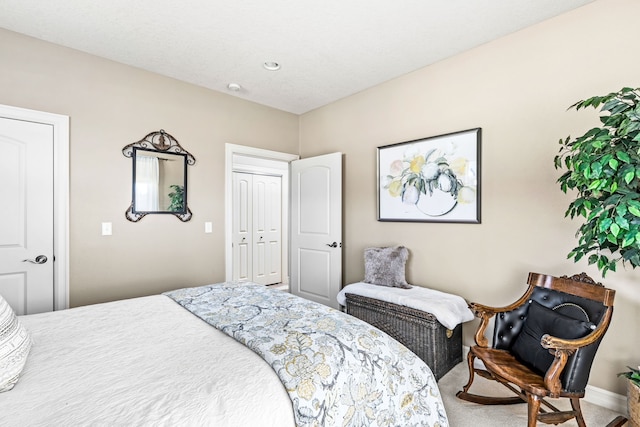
(465, 414)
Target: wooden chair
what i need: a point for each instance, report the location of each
(543, 345)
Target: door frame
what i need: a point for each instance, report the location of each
(230, 150)
(60, 124)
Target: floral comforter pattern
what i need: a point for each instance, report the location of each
(338, 370)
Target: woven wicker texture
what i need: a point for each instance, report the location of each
(633, 400)
(420, 332)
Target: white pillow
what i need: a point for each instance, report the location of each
(15, 344)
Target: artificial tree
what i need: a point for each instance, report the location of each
(603, 167)
(176, 196)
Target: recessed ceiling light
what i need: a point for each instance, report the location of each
(271, 66)
(234, 87)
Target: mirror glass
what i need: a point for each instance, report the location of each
(159, 182)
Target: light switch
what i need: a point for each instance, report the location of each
(208, 227)
(106, 229)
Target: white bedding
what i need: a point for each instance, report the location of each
(144, 361)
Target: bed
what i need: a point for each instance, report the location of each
(228, 354)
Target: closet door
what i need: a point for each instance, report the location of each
(257, 228)
(242, 226)
(267, 229)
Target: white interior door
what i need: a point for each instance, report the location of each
(251, 160)
(242, 235)
(26, 224)
(267, 229)
(316, 228)
(257, 228)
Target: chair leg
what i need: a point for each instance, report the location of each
(470, 359)
(533, 408)
(575, 404)
(619, 421)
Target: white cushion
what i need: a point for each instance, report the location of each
(15, 344)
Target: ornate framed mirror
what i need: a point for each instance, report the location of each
(159, 177)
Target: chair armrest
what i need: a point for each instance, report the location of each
(484, 313)
(552, 342)
(552, 376)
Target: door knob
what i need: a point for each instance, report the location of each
(40, 259)
(333, 245)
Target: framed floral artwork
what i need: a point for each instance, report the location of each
(435, 179)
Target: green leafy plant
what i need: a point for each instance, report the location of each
(177, 198)
(603, 166)
(633, 375)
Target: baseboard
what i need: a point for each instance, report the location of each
(597, 396)
(606, 399)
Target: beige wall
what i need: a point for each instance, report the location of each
(517, 89)
(111, 105)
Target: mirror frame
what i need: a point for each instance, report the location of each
(160, 142)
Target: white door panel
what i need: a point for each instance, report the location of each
(260, 220)
(26, 222)
(313, 278)
(316, 228)
(267, 202)
(270, 226)
(257, 228)
(242, 233)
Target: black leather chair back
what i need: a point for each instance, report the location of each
(509, 324)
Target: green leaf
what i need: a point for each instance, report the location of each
(627, 242)
(623, 156)
(622, 222)
(602, 262)
(615, 230)
(634, 211)
(594, 185)
(628, 177)
(596, 170)
(605, 225)
(621, 209)
(613, 164)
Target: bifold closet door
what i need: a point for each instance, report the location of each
(257, 228)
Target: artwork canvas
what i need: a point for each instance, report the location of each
(435, 179)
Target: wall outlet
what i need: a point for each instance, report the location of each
(106, 229)
(208, 227)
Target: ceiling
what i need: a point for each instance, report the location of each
(327, 49)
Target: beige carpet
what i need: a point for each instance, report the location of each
(465, 414)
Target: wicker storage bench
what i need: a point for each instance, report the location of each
(420, 332)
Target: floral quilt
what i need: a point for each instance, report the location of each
(337, 369)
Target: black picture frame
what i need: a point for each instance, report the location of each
(433, 179)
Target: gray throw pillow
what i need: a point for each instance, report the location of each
(386, 266)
